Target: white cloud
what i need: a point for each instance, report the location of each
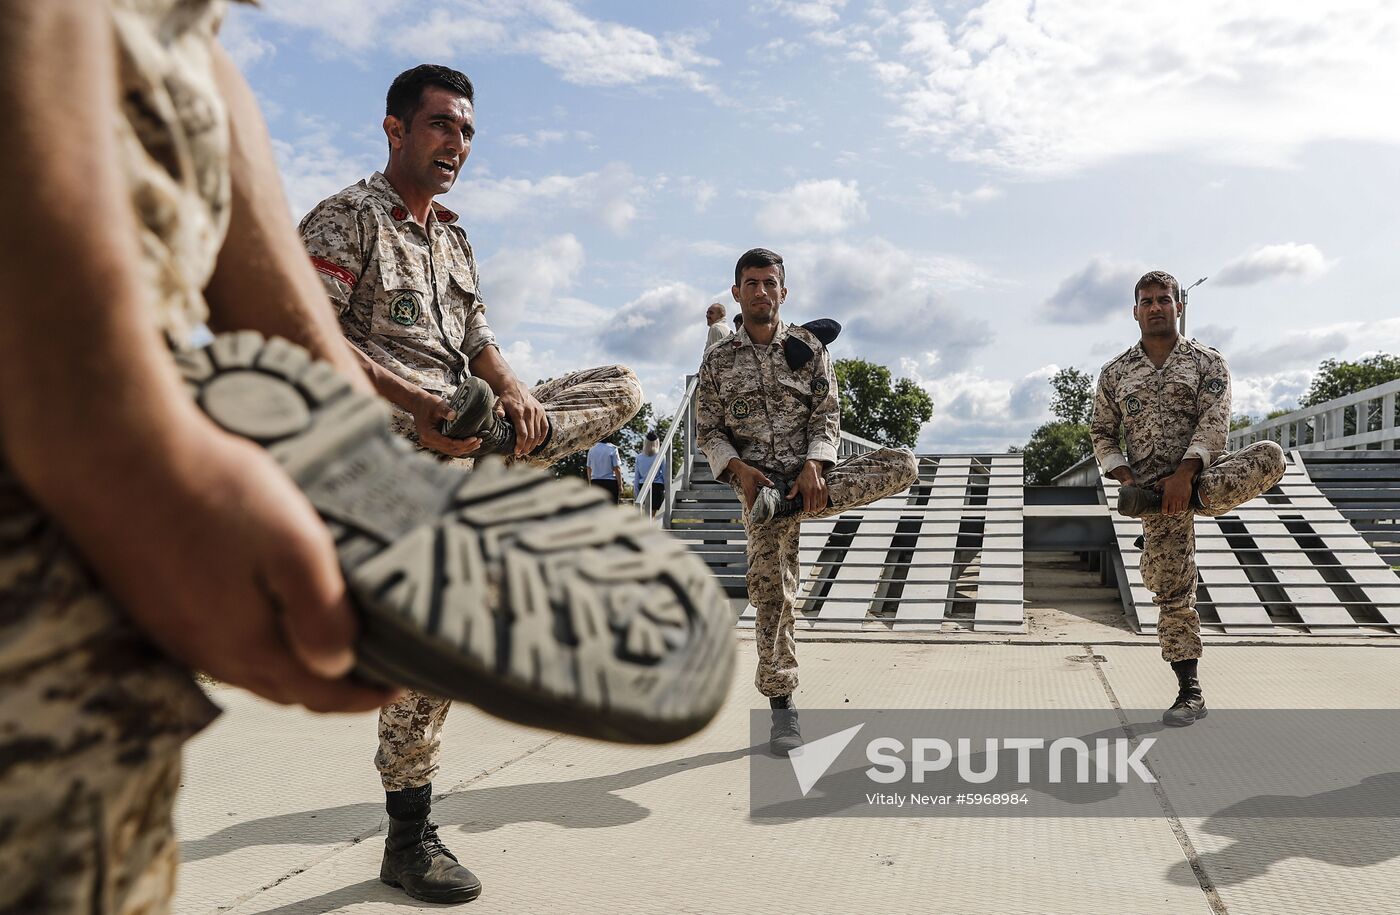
(534, 140)
(1212, 335)
(1054, 87)
(1098, 290)
(892, 302)
(811, 208)
(1259, 395)
(319, 163)
(584, 50)
(1273, 261)
(1302, 348)
(521, 285)
(810, 12)
(957, 202)
(973, 413)
(609, 194)
(658, 326)
(242, 43)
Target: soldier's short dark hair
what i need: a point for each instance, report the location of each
(760, 257)
(406, 91)
(1158, 278)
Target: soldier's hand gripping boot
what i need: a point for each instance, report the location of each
(474, 403)
(1138, 501)
(1190, 702)
(530, 597)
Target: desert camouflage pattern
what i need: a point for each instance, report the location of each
(92, 716)
(410, 740)
(1165, 415)
(752, 405)
(772, 552)
(407, 295)
(584, 408)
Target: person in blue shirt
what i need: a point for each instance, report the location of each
(605, 469)
(641, 466)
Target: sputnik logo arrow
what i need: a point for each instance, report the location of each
(811, 760)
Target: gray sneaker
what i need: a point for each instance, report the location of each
(766, 504)
(528, 596)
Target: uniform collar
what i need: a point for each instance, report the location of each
(394, 203)
(741, 336)
(1137, 352)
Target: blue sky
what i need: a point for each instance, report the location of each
(970, 188)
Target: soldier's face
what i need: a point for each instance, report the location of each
(759, 293)
(435, 145)
(1156, 311)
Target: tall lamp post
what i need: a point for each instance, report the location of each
(1182, 329)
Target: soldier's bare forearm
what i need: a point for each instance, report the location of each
(263, 279)
(403, 394)
(77, 318)
(491, 367)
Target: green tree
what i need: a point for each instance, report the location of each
(875, 407)
(1054, 448)
(1337, 379)
(1072, 399)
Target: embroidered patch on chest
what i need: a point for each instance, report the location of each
(1216, 386)
(1132, 405)
(404, 309)
(741, 408)
(821, 387)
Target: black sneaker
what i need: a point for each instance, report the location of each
(528, 596)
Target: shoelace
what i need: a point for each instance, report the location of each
(432, 844)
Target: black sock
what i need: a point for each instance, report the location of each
(410, 803)
(781, 701)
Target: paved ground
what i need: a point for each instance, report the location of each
(282, 812)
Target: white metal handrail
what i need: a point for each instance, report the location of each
(642, 498)
(1327, 423)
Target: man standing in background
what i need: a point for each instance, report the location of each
(605, 469)
(714, 316)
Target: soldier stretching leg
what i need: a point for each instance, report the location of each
(1169, 398)
(768, 419)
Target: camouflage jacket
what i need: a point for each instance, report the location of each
(1166, 415)
(752, 405)
(407, 296)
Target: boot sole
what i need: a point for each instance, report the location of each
(472, 402)
(530, 597)
(465, 895)
(1173, 722)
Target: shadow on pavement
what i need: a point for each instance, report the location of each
(1261, 840)
(583, 803)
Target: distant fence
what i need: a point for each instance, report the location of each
(1364, 420)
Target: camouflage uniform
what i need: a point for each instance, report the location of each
(1166, 416)
(752, 405)
(410, 299)
(92, 716)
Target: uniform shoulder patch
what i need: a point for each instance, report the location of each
(821, 387)
(332, 270)
(740, 408)
(1216, 386)
(1133, 405)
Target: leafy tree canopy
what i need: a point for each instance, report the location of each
(874, 406)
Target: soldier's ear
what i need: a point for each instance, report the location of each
(393, 129)
(734, 291)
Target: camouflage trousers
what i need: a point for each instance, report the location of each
(584, 408)
(92, 719)
(1169, 542)
(772, 552)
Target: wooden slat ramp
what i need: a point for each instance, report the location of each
(1287, 563)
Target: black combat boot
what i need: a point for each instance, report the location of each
(415, 860)
(785, 736)
(1140, 501)
(474, 403)
(1190, 703)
